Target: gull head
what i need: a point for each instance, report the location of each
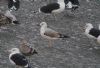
(88, 26)
(43, 24)
(14, 50)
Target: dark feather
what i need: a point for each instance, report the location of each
(63, 36)
(66, 1)
(94, 32)
(49, 8)
(11, 4)
(19, 59)
(74, 2)
(16, 22)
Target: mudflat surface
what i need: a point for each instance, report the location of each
(77, 52)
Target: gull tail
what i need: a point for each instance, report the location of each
(64, 36)
(35, 52)
(16, 22)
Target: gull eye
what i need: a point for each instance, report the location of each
(42, 23)
(13, 50)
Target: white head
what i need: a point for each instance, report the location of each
(43, 24)
(14, 50)
(88, 26)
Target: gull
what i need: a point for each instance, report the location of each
(92, 32)
(72, 4)
(50, 34)
(13, 4)
(54, 8)
(7, 18)
(26, 49)
(16, 58)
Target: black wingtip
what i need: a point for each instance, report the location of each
(16, 22)
(64, 36)
(35, 52)
(74, 8)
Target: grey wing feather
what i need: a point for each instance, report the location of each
(51, 33)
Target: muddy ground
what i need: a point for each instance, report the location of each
(76, 52)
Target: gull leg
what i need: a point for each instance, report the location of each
(55, 18)
(29, 59)
(50, 43)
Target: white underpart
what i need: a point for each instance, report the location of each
(43, 29)
(9, 15)
(62, 7)
(69, 5)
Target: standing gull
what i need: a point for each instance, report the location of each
(13, 4)
(16, 58)
(72, 4)
(49, 33)
(53, 7)
(26, 49)
(92, 32)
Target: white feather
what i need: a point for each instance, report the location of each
(14, 0)
(99, 26)
(69, 5)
